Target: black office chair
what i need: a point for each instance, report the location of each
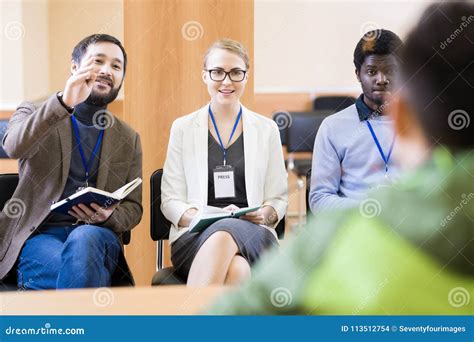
(160, 229)
(300, 138)
(283, 120)
(3, 129)
(333, 103)
(308, 188)
(8, 184)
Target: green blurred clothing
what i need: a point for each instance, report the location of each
(407, 249)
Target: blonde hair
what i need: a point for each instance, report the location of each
(231, 46)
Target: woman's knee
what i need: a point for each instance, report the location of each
(239, 270)
(221, 239)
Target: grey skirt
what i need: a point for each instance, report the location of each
(251, 240)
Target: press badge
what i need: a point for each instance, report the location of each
(224, 185)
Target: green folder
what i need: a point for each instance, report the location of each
(213, 214)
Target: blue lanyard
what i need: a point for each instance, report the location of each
(86, 165)
(385, 159)
(224, 151)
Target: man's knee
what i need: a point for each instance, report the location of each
(39, 263)
(90, 237)
(92, 233)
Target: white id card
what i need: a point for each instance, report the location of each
(224, 185)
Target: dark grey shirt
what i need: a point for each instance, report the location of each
(76, 178)
(235, 158)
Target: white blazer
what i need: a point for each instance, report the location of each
(185, 174)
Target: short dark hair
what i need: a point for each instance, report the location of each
(81, 48)
(438, 73)
(376, 42)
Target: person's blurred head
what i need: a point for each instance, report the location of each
(110, 62)
(376, 66)
(225, 68)
(435, 102)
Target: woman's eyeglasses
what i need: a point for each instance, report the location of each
(219, 75)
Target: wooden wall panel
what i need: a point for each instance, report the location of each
(8, 166)
(6, 114)
(165, 42)
(116, 108)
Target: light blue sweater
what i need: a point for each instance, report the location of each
(346, 161)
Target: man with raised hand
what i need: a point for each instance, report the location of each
(65, 144)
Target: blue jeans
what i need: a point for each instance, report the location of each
(68, 257)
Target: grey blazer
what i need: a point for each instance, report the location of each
(40, 137)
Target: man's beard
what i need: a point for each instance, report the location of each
(102, 100)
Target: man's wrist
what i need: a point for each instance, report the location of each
(60, 98)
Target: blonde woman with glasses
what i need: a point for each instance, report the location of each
(223, 155)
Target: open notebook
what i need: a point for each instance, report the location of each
(213, 214)
(92, 195)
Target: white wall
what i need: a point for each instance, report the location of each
(37, 38)
(307, 46)
(300, 46)
(23, 51)
(35, 50)
(11, 53)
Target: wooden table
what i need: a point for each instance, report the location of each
(159, 300)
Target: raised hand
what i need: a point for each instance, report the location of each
(80, 84)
